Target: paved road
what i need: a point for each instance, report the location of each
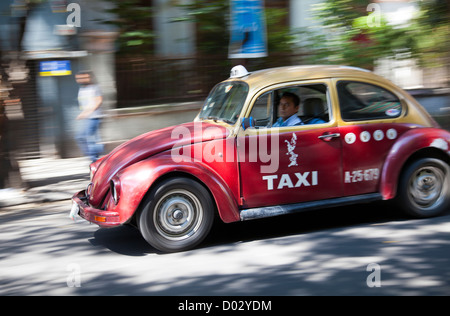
(339, 251)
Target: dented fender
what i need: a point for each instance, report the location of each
(407, 145)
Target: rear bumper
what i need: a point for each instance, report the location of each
(99, 217)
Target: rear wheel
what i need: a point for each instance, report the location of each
(177, 216)
(425, 188)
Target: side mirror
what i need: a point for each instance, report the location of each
(247, 122)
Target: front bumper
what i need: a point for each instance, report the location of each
(97, 216)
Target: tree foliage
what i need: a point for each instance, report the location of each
(211, 19)
(349, 33)
(133, 19)
(431, 29)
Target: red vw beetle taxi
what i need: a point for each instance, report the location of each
(357, 138)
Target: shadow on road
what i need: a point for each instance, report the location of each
(127, 240)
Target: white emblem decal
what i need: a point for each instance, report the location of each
(365, 136)
(290, 148)
(350, 138)
(391, 133)
(378, 135)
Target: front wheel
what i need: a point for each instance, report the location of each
(177, 215)
(425, 188)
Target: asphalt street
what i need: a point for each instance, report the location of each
(358, 250)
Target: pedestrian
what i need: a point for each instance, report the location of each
(90, 100)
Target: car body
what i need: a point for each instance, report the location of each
(361, 139)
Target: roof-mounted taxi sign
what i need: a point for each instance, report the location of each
(238, 71)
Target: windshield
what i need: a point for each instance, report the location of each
(225, 102)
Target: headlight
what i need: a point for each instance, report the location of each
(114, 186)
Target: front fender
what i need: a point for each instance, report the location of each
(406, 146)
(140, 178)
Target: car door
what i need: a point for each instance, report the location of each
(368, 129)
(293, 164)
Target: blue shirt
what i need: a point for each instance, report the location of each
(315, 120)
(291, 121)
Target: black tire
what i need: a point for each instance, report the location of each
(424, 189)
(177, 215)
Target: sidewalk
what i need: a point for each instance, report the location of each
(48, 180)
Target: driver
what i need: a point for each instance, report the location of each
(287, 110)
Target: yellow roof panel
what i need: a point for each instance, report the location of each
(270, 76)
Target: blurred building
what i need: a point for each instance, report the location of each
(39, 34)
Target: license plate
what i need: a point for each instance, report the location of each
(74, 211)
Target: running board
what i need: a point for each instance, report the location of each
(262, 212)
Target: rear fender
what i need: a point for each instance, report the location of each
(409, 144)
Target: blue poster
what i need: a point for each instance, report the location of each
(55, 68)
(248, 29)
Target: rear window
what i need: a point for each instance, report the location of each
(363, 101)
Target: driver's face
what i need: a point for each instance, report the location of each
(286, 108)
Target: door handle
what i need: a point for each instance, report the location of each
(328, 137)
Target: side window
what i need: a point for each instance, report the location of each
(362, 101)
(262, 110)
(313, 107)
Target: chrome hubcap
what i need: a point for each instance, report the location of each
(427, 187)
(178, 215)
